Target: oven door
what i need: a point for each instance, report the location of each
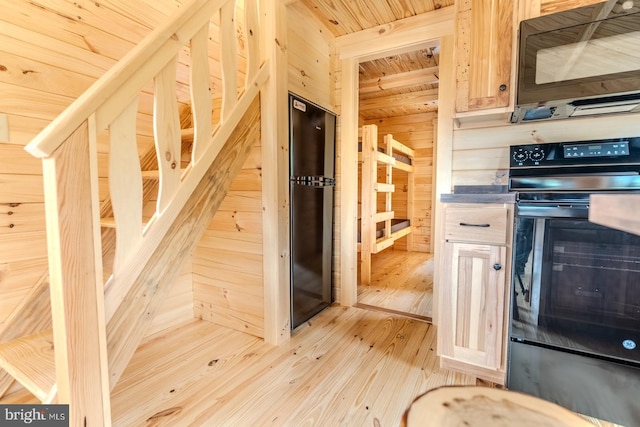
(576, 284)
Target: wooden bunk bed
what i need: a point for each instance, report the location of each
(379, 229)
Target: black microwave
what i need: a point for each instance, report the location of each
(579, 62)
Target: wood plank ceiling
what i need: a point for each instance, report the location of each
(401, 84)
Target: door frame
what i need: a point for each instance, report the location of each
(401, 36)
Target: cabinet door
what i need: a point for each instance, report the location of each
(484, 30)
(472, 307)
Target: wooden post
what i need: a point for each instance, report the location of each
(275, 177)
(388, 142)
(368, 202)
(443, 159)
(76, 286)
(348, 184)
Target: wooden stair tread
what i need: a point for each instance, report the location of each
(31, 361)
(150, 174)
(110, 222)
(187, 134)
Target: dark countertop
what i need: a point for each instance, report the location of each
(479, 194)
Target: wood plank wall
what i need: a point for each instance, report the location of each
(50, 52)
(415, 131)
(311, 57)
(481, 155)
(314, 75)
(228, 284)
(178, 306)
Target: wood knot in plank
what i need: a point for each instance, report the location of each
(282, 47)
(167, 412)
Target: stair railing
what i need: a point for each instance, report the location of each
(82, 304)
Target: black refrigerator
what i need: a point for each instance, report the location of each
(311, 193)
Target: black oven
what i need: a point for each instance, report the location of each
(575, 304)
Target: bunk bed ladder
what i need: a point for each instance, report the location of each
(372, 159)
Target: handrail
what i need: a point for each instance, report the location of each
(82, 311)
(116, 80)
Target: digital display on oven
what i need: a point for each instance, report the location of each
(604, 149)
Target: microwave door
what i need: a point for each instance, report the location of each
(592, 59)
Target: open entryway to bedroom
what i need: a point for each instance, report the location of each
(397, 117)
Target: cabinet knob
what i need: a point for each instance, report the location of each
(497, 266)
(502, 88)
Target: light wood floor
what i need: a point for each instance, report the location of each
(400, 281)
(346, 367)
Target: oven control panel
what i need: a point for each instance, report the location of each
(602, 149)
(528, 154)
(576, 153)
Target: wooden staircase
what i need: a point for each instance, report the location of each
(31, 316)
(30, 360)
(97, 326)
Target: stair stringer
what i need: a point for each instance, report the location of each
(135, 313)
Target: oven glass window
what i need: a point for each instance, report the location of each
(576, 285)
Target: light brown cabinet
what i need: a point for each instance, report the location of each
(483, 48)
(474, 296)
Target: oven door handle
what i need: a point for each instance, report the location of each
(554, 211)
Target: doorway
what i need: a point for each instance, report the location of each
(352, 56)
(398, 94)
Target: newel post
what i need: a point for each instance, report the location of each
(275, 181)
(76, 285)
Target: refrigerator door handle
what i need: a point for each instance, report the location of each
(313, 181)
(329, 182)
